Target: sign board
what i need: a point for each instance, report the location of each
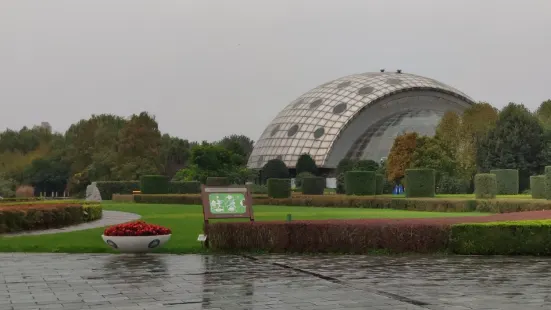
(226, 202)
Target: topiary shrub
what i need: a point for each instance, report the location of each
(420, 182)
(452, 185)
(313, 185)
(366, 165)
(190, 187)
(306, 163)
(485, 186)
(217, 181)
(507, 181)
(547, 175)
(154, 184)
(379, 183)
(360, 183)
(301, 176)
(108, 188)
(275, 169)
(279, 188)
(537, 186)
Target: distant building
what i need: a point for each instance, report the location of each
(356, 117)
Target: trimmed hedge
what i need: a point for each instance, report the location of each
(108, 188)
(502, 238)
(258, 189)
(485, 186)
(537, 186)
(547, 175)
(507, 181)
(313, 186)
(20, 199)
(25, 216)
(320, 237)
(361, 183)
(279, 188)
(191, 187)
(154, 184)
(217, 181)
(379, 184)
(420, 182)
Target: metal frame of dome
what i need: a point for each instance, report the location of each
(384, 85)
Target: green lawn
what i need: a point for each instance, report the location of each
(186, 223)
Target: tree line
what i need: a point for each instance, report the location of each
(108, 147)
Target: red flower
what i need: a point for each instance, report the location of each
(136, 228)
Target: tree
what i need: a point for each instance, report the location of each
(435, 154)
(306, 163)
(544, 113)
(175, 154)
(49, 174)
(275, 169)
(238, 144)
(400, 156)
(366, 165)
(7, 186)
(448, 131)
(516, 142)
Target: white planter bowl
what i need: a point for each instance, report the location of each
(135, 244)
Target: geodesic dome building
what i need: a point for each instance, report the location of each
(357, 117)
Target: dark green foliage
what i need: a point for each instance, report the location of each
(300, 177)
(154, 184)
(505, 238)
(108, 188)
(380, 183)
(191, 187)
(275, 169)
(516, 142)
(306, 163)
(537, 186)
(258, 189)
(343, 166)
(279, 188)
(451, 185)
(360, 183)
(420, 182)
(366, 165)
(547, 174)
(485, 186)
(507, 181)
(313, 186)
(217, 181)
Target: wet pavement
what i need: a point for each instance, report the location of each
(63, 281)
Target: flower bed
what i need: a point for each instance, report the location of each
(136, 237)
(32, 216)
(136, 228)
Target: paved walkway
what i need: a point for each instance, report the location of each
(63, 281)
(108, 218)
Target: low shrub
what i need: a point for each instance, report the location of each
(452, 185)
(169, 199)
(108, 188)
(29, 216)
(154, 184)
(537, 186)
(547, 175)
(19, 199)
(420, 182)
(191, 187)
(279, 188)
(301, 176)
(136, 228)
(258, 189)
(379, 184)
(360, 183)
(123, 197)
(485, 186)
(313, 185)
(217, 181)
(507, 181)
(502, 238)
(323, 237)
(24, 191)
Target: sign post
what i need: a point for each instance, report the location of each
(226, 202)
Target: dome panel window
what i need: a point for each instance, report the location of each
(365, 90)
(394, 81)
(319, 132)
(339, 108)
(274, 131)
(292, 131)
(344, 84)
(316, 103)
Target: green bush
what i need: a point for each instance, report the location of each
(485, 186)
(258, 189)
(360, 183)
(537, 186)
(502, 238)
(379, 183)
(306, 163)
(274, 169)
(300, 177)
(154, 184)
(218, 181)
(108, 188)
(420, 182)
(507, 181)
(190, 187)
(313, 185)
(547, 175)
(279, 188)
(452, 185)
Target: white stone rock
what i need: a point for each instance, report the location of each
(92, 192)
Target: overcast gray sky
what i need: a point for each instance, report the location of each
(207, 69)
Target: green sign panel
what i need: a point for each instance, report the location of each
(227, 203)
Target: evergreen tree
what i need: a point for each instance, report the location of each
(306, 163)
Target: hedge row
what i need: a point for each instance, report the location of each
(537, 186)
(507, 181)
(25, 216)
(279, 188)
(502, 238)
(485, 186)
(19, 199)
(374, 202)
(313, 185)
(420, 182)
(360, 183)
(154, 184)
(108, 188)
